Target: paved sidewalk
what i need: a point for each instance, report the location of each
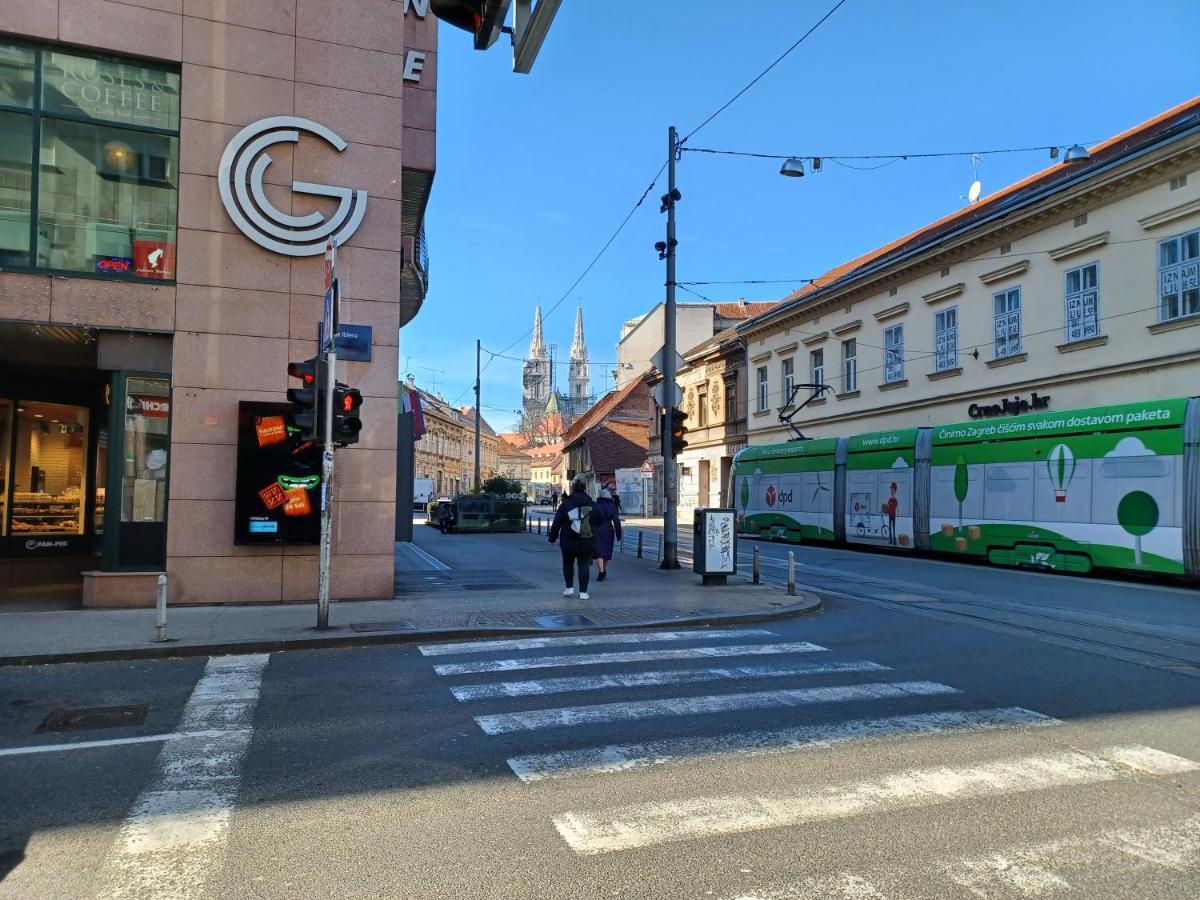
(445, 586)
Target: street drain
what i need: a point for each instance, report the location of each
(396, 625)
(93, 717)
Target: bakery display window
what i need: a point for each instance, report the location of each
(6, 411)
(48, 469)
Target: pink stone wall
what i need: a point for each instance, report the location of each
(240, 313)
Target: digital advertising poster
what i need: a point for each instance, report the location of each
(278, 479)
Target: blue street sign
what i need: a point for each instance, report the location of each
(353, 341)
(327, 319)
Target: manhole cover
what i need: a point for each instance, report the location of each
(94, 717)
(564, 620)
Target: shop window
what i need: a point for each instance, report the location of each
(104, 135)
(1082, 303)
(1179, 277)
(945, 339)
(893, 354)
(1007, 322)
(48, 469)
(144, 467)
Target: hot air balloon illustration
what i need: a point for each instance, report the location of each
(1061, 466)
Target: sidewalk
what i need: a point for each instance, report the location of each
(464, 585)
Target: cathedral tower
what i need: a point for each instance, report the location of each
(536, 380)
(578, 381)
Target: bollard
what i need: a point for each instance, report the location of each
(639, 553)
(757, 568)
(539, 524)
(160, 610)
(792, 573)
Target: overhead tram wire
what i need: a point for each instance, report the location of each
(835, 157)
(761, 74)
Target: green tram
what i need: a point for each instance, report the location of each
(1113, 487)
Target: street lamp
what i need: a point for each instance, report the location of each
(1075, 155)
(793, 168)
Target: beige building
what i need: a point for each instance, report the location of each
(642, 337)
(444, 453)
(712, 382)
(514, 461)
(1078, 286)
(161, 264)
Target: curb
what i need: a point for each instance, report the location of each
(341, 637)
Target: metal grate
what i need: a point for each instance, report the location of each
(93, 717)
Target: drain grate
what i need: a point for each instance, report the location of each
(94, 717)
(564, 620)
(396, 625)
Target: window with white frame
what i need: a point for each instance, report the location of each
(849, 366)
(762, 389)
(817, 365)
(945, 339)
(789, 379)
(1007, 322)
(1179, 277)
(893, 354)
(1082, 293)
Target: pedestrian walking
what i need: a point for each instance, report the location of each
(575, 523)
(610, 528)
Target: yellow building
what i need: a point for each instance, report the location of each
(1077, 286)
(445, 453)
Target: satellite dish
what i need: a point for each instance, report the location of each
(974, 190)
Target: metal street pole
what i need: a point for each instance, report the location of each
(326, 490)
(478, 413)
(670, 556)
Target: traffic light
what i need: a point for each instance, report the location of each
(483, 18)
(347, 402)
(307, 419)
(677, 432)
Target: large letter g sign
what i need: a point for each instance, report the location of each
(241, 183)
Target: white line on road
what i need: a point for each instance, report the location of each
(111, 742)
(175, 836)
(562, 717)
(432, 561)
(624, 757)
(469, 692)
(631, 656)
(648, 824)
(583, 640)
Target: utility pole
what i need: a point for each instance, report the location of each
(326, 386)
(478, 412)
(670, 556)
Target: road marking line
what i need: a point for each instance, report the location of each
(567, 716)
(1037, 870)
(583, 640)
(647, 824)
(468, 692)
(844, 885)
(175, 835)
(112, 742)
(630, 656)
(625, 757)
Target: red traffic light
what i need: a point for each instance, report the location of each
(306, 371)
(348, 403)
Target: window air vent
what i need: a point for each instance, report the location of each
(1081, 220)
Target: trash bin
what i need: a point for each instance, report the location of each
(714, 544)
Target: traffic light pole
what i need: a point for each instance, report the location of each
(478, 414)
(326, 491)
(670, 558)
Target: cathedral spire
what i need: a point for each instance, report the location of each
(537, 349)
(578, 347)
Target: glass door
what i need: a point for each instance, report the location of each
(136, 499)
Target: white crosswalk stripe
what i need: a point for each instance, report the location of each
(625, 757)
(585, 640)
(534, 719)
(536, 688)
(632, 656)
(648, 824)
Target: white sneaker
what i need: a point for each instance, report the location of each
(583, 595)
(570, 592)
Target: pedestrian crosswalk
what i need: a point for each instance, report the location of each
(625, 696)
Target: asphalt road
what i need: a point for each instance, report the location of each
(868, 751)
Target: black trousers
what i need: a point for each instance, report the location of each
(578, 555)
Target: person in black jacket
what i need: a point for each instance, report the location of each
(576, 523)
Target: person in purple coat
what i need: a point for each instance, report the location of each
(609, 529)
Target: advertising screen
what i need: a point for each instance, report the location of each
(278, 479)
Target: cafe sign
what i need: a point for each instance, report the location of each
(1015, 407)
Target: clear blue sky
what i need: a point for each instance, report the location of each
(536, 171)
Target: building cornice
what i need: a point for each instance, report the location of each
(1082, 246)
(1005, 272)
(1155, 220)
